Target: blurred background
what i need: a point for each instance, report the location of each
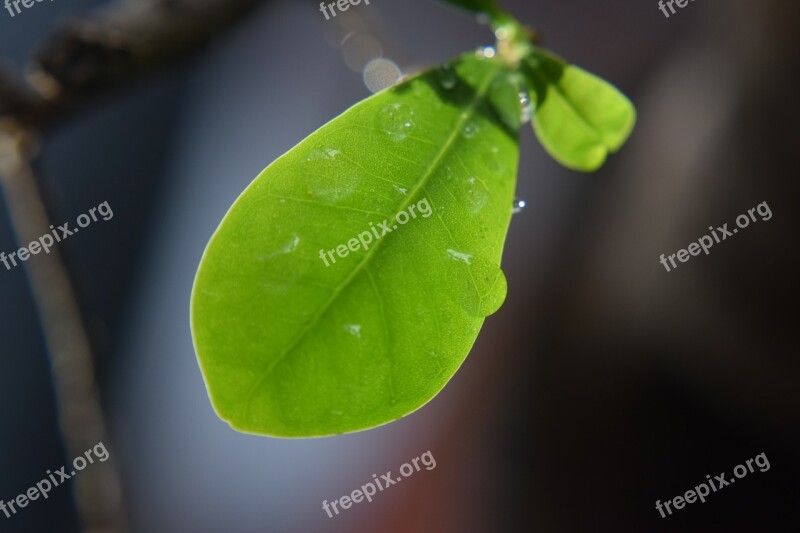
(602, 385)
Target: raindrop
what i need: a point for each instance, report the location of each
(447, 76)
(509, 97)
(526, 109)
(323, 154)
(485, 52)
(353, 329)
(287, 248)
(397, 120)
(479, 286)
(470, 130)
(459, 256)
(493, 161)
(477, 196)
(518, 206)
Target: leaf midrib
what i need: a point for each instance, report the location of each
(463, 117)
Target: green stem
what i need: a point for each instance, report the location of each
(514, 40)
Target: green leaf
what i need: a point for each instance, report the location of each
(479, 6)
(579, 118)
(291, 347)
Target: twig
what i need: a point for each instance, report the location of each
(110, 48)
(98, 489)
(83, 59)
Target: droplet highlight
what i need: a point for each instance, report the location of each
(397, 120)
(470, 130)
(479, 285)
(353, 329)
(323, 154)
(459, 256)
(526, 108)
(485, 52)
(447, 76)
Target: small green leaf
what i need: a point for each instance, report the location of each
(479, 6)
(579, 118)
(506, 96)
(291, 347)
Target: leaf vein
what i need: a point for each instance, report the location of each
(462, 119)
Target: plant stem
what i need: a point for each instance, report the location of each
(97, 490)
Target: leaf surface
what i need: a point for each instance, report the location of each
(301, 329)
(579, 118)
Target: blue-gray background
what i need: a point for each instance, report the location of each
(602, 385)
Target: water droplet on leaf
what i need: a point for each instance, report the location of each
(459, 256)
(323, 154)
(493, 161)
(526, 108)
(518, 206)
(470, 130)
(447, 76)
(397, 120)
(333, 190)
(353, 329)
(479, 285)
(509, 97)
(287, 248)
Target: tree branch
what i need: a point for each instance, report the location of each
(112, 47)
(80, 61)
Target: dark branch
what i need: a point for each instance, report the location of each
(16, 99)
(112, 47)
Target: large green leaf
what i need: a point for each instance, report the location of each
(291, 347)
(579, 118)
